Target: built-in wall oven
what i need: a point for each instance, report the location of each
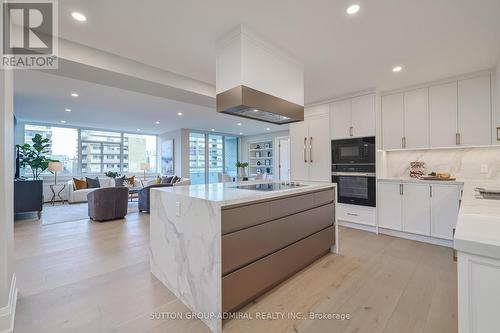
(353, 170)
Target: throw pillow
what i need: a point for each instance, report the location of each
(175, 179)
(119, 181)
(79, 184)
(130, 181)
(93, 183)
(166, 179)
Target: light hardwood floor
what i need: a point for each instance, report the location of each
(94, 277)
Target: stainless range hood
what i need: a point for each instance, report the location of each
(246, 102)
(257, 80)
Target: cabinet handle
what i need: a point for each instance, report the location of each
(351, 131)
(401, 190)
(311, 149)
(457, 138)
(352, 214)
(403, 142)
(430, 191)
(305, 147)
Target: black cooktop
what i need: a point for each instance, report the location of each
(268, 187)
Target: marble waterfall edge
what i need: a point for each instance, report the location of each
(185, 257)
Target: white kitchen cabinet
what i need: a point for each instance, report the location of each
(390, 206)
(474, 111)
(416, 119)
(443, 115)
(310, 147)
(319, 149)
(354, 117)
(363, 116)
(392, 121)
(416, 208)
(341, 119)
(419, 208)
(445, 204)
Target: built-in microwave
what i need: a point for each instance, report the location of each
(349, 151)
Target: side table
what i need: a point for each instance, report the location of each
(56, 192)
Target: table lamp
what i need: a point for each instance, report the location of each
(55, 167)
(144, 167)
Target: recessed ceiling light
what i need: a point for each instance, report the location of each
(67, 110)
(63, 121)
(397, 69)
(239, 124)
(179, 113)
(241, 133)
(353, 9)
(74, 94)
(268, 129)
(157, 122)
(79, 16)
(138, 130)
(255, 110)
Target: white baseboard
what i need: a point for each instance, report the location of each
(419, 238)
(359, 226)
(8, 312)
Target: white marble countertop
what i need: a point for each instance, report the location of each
(421, 181)
(226, 194)
(478, 226)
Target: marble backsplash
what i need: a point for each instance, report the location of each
(462, 163)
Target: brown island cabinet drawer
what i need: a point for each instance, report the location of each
(244, 216)
(244, 246)
(242, 286)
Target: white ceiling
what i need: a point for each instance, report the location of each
(43, 97)
(430, 38)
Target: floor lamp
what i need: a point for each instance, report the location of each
(55, 167)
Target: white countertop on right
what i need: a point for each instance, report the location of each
(478, 226)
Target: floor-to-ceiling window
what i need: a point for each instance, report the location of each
(97, 151)
(211, 154)
(197, 155)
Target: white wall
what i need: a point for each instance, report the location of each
(6, 200)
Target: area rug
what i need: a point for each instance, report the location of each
(74, 212)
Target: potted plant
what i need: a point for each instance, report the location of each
(35, 155)
(241, 169)
(112, 174)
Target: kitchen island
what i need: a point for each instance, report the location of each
(477, 241)
(219, 246)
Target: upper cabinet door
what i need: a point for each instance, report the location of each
(340, 119)
(416, 118)
(392, 121)
(474, 111)
(363, 116)
(299, 158)
(319, 149)
(443, 115)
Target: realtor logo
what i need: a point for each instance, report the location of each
(29, 34)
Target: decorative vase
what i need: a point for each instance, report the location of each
(242, 173)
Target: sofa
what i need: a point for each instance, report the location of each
(108, 203)
(75, 196)
(145, 192)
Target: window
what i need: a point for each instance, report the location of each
(64, 146)
(210, 155)
(97, 151)
(197, 158)
(138, 151)
(100, 151)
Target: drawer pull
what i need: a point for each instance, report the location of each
(352, 214)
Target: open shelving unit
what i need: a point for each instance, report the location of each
(260, 157)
